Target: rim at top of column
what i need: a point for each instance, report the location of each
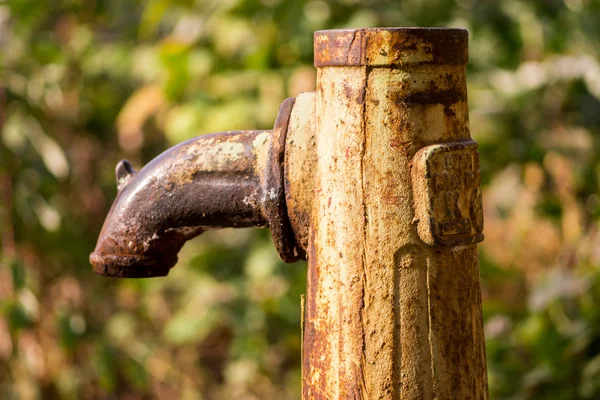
(390, 47)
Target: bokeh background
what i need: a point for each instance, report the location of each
(84, 83)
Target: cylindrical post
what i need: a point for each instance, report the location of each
(393, 306)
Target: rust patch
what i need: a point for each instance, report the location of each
(338, 47)
(348, 91)
(445, 97)
(315, 357)
(445, 46)
(448, 112)
(399, 144)
(357, 95)
(392, 199)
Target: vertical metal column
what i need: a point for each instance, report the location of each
(393, 306)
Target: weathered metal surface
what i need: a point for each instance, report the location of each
(300, 167)
(274, 206)
(447, 197)
(210, 181)
(388, 315)
(390, 46)
(228, 179)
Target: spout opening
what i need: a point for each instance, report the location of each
(131, 266)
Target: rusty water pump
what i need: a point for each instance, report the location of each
(374, 179)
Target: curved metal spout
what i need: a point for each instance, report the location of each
(210, 181)
(227, 179)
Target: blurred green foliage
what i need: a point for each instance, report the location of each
(84, 83)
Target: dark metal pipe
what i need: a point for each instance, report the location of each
(227, 179)
(207, 182)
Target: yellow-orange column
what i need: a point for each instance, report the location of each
(393, 305)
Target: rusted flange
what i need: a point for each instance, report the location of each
(274, 207)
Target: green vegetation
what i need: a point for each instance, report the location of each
(84, 83)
